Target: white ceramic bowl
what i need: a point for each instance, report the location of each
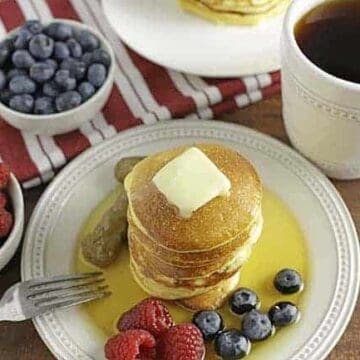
(68, 120)
(8, 249)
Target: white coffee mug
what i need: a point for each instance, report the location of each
(321, 112)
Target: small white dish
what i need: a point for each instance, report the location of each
(9, 247)
(165, 34)
(66, 121)
(51, 239)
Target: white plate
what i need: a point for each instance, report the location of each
(333, 244)
(162, 32)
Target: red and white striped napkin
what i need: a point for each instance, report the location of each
(144, 93)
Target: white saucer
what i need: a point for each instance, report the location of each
(162, 32)
(332, 240)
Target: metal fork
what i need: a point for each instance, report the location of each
(29, 299)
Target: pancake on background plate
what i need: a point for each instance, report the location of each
(193, 257)
(236, 12)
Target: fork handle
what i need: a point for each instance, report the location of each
(5, 315)
(10, 307)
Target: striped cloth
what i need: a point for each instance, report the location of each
(143, 93)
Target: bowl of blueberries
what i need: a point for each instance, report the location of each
(55, 76)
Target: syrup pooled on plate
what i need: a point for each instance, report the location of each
(282, 236)
(329, 35)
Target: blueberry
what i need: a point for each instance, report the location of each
(59, 31)
(41, 46)
(87, 58)
(256, 326)
(2, 80)
(76, 67)
(67, 100)
(22, 39)
(34, 26)
(284, 313)
(5, 52)
(79, 70)
(50, 30)
(61, 51)
(64, 80)
(102, 57)
(96, 74)
(22, 59)
(288, 281)
(243, 300)
(22, 84)
(51, 89)
(67, 64)
(52, 63)
(232, 345)
(22, 103)
(41, 72)
(44, 105)
(74, 47)
(210, 323)
(86, 90)
(15, 72)
(5, 96)
(87, 40)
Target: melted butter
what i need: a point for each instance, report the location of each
(190, 181)
(281, 245)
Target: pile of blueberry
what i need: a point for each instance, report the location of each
(233, 344)
(50, 69)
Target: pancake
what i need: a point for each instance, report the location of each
(198, 258)
(157, 265)
(241, 6)
(248, 16)
(214, 298)
(172, 282)
(155, 276)
(211, 226)
(162, 291)
(195, 260)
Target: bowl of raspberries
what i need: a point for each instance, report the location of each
(11, 215)
(55, 76)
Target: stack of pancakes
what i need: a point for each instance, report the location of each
(196, 261)
(238, 12)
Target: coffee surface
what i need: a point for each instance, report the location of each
(329, 35)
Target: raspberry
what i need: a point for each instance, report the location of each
(4, 175)
(181, 342)
(6, 222)
(3, 200)
(151, 315)
(131, 345)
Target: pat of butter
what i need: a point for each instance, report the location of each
(190, 181)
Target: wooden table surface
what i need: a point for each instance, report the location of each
(20, 340)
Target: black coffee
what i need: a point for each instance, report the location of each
(329, 35)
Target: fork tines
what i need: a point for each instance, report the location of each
(64, 291)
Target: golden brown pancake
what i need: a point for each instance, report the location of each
(214, 298)
(162, 291)
(241, 6)
(246, 16)
(157, 265)
(201, 282)
(212, 225)
(198, 258)
(195, 260)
